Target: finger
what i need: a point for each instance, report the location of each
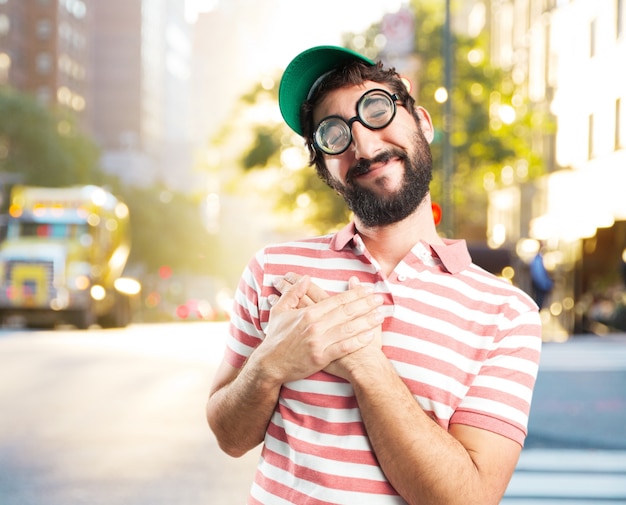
(353, 282)
(291, 277)
(282, 286)
(363, 330)
(346, 314)
(314, 293)
(292, 295)
(354, 302)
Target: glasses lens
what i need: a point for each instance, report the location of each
(376, 109)
(333, 135)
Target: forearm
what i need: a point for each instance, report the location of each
(239, 412)
(298, 343)
(422, 461)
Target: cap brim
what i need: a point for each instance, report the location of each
(302, 73)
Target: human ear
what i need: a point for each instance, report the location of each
(425, 123)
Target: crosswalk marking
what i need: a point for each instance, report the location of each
(560, 501)
(572, 460)
(545, 476)
(583, 355)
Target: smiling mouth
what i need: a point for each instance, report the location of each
(361, 168)
(364, 167)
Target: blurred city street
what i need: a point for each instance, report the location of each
(117, 417)
(145, 160)
(112, 418)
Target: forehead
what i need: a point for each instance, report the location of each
(342, 101)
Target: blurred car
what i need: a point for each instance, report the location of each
(196, 310)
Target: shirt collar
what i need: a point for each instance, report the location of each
(453, 254)
(343, 237)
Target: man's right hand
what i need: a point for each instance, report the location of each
(304, 336)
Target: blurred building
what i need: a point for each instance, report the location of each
(567, 58)
(141, 80)
(123, 66)
(45, 50)
(218, 78)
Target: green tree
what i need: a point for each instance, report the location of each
(485, 145)
(167, 229)
(268, 143)
(43, 146)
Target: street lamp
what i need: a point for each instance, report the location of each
(448, 215)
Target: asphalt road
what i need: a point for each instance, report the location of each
(575, 452)
(117, 418)
(112, 418)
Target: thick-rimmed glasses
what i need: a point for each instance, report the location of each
(375, 110)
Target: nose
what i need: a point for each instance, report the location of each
(366, 143)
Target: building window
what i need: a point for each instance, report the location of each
(592, 39)
(618, 124)
(77, 8)
(44, 29)
(590, 146)
(44, 95)
(549, 5)
(5, 66)
(5, 24)
(43, 63)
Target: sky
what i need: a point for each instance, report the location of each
(257, 38)
(285, 27)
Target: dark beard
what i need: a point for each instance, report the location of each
(380, 210)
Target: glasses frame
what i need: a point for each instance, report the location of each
(393, 98)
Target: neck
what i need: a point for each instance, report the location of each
(390, 244)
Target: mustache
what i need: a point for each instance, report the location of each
(363, 166)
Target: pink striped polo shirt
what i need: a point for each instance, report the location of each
(465, 342)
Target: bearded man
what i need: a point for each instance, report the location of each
(377, 365)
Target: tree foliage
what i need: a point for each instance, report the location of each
(42, 146)
(265, 145)
(254, 142)
(166, 230)
(486, 147)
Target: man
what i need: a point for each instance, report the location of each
(377, 365)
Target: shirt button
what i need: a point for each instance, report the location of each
(402, 278)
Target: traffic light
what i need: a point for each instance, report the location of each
(436, 213)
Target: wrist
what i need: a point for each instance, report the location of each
(260, 371)
(368, 365)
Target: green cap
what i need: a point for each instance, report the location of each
(304, 73)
